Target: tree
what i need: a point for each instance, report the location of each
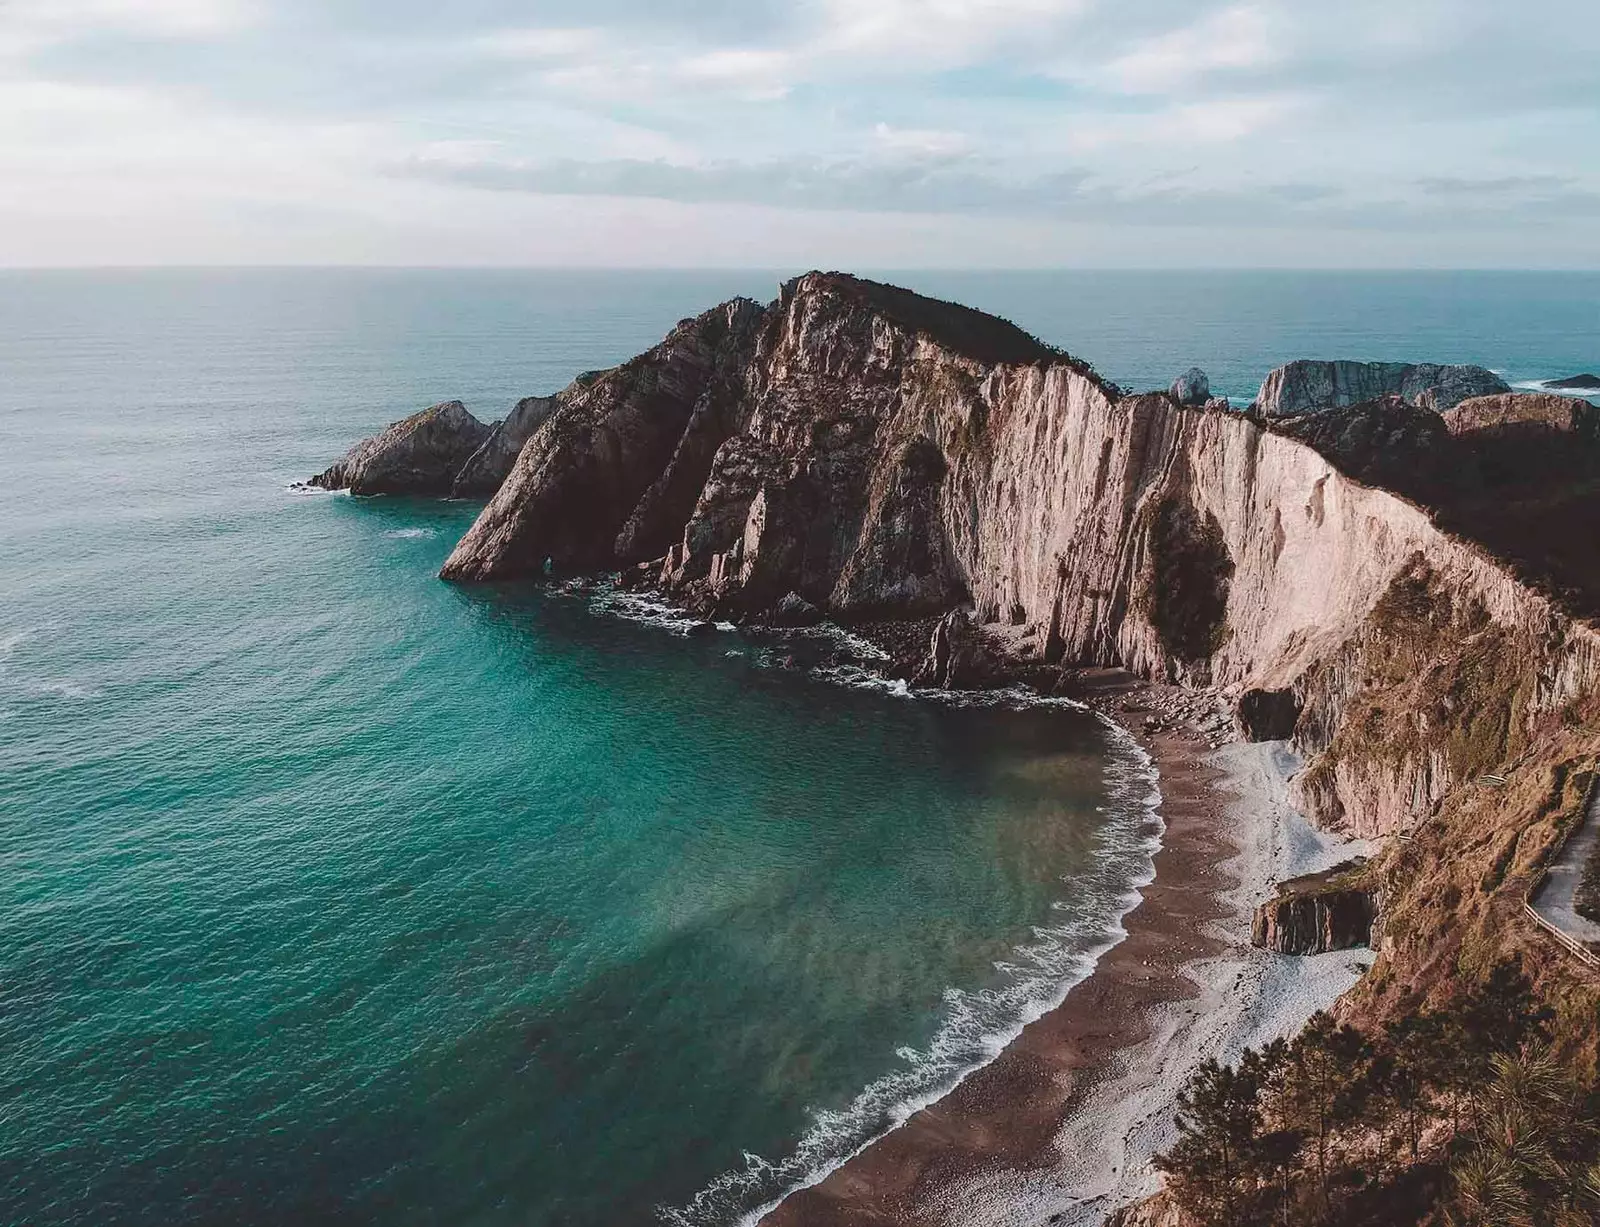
(1219, 1122)
(1325, 1085)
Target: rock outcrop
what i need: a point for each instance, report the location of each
(420, 455)
(1519, 411)
(1318, 913)
(1192, 388)
(1306, 386)
(1575, 383)
(634, 442)
(487, 468)
(876, 456)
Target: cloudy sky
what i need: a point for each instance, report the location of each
(878, 133)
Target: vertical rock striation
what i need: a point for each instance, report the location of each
(877, 455)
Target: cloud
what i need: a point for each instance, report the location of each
(1242, 37)
(38, 20)
(1423, 118)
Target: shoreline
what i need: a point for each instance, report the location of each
(1060, 1127)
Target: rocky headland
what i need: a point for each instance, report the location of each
(1392, 568)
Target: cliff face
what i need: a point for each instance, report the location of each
(487, 468)
(1305, 385)
(884, 456)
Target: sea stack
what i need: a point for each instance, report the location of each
(420, 455)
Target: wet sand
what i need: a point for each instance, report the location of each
(1060, 1128)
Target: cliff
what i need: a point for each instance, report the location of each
(486, 470)
(885, 456)
(1402, 593)
(1305, 386)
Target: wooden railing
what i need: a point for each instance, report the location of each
(1573, 946)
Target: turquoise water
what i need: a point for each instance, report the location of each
(334, 894)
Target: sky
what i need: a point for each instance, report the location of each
(759, 133)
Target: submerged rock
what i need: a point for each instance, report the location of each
(1306, 386)
(419, 455)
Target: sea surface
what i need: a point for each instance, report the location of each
(331, 893)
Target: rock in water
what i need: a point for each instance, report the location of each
(1575, 383)
(487, 468)
(420, 455)
(1192, 388)
(1306, 386)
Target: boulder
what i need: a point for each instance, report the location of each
(794, 610)
(1306, 386)
(1192, 388)
(420, 455)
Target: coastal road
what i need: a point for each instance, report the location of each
(1555, 901)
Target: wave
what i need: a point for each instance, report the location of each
(410, 534)
(977, 1025)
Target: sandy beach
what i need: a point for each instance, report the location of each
(1060, 1128)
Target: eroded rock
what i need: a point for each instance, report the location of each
(1336, 910)
(1306, 386)
(419, 455)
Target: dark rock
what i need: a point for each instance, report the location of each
(1192, 388)
(1268, 715)
(583, 472)
(794, 610)
(1336, 910)
(1307, 386)
(489, 466)
(1575, 383)
(419, 455)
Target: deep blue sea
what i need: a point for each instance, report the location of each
(330, 893)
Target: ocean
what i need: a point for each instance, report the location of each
(332, 893)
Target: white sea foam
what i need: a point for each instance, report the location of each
(977, 1026)
(63, 689)
(410, 534)
(9, 643)
(1244, 998)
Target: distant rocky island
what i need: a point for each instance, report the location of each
(1392, 566)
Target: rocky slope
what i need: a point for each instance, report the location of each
(420, 455)
(1305, 386)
